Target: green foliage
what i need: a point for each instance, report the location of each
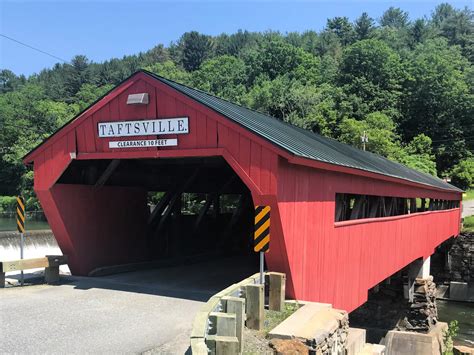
(343, 29)
(468, 195)
(192, 49)
(364, 26)
(88, 93)
(394, 17)
(224, 76)
(7, 203)
(449, 335)
(407, 84)
(438, 100)
(273, 318)
(468, 224)
(379, 128)
(418, 155)
(462, 174)
(170, 70)
(371, 76)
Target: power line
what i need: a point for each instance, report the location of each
(34, 48)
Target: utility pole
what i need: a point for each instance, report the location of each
(364, 139)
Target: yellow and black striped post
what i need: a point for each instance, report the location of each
(20, 225)
(20, 214)
(262, 229)
(261, 237)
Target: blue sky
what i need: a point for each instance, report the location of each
(105, 29)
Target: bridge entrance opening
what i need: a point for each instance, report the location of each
(170, 208)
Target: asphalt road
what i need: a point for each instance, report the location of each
(468, 208)
(124, 313)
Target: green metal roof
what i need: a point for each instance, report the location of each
(306, 144)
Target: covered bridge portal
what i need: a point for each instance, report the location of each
(342, 219)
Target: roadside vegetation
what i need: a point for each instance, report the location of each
(449, 335)
(407, 83)
(469, 194)
(256, 342)
(468, 224)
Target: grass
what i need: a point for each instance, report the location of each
(468, 225)
(273, 318)
(468, 195)
(256, 341)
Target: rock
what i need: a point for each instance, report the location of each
(462, 350)
(288, 346)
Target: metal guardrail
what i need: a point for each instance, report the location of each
(201, 322)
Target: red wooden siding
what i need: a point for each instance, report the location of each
(338, 262)
(325, 261)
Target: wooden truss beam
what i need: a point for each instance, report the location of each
(107, 173)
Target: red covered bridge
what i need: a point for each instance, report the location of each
(343, 220)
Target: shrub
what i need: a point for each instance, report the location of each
(7, 203)
(462, 174)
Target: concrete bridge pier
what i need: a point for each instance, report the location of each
(420, 268)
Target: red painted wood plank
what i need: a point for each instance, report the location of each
(255, 162)
(90, 134)
(211, 132)
(244, 154)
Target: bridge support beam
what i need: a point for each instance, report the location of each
(420, 268)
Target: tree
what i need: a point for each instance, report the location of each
(9, 81)
(157, 54)
(272, 58)
(342, 28)
(437, 100)
(364, 26)
(170, 71)
(459, 30)
(289, 100)
(89, 93)
(419, 31)
(224, 76)
(394, 17)
(462, 174)
(379, 128)
(76, 75)
(235, 43)
(442, 12)
(194, 48)
(371, 75)
(418, 154)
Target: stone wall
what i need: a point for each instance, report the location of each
(332, 339)
(454, 260)
(461, 258)
(422, 314)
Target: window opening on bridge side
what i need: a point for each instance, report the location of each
(355, 206)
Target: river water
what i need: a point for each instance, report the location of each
(9, 224)
(463, 312)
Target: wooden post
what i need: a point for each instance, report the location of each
(236, 305)
(222, 324)
(51, 274)
(222, 345)
(276, 299)
(254, 299)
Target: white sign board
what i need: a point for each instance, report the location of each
(144, 143)
(155, 127)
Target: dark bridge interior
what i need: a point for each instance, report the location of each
(197, 206)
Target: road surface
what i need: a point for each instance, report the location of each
(468, 208)
(124, 313)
